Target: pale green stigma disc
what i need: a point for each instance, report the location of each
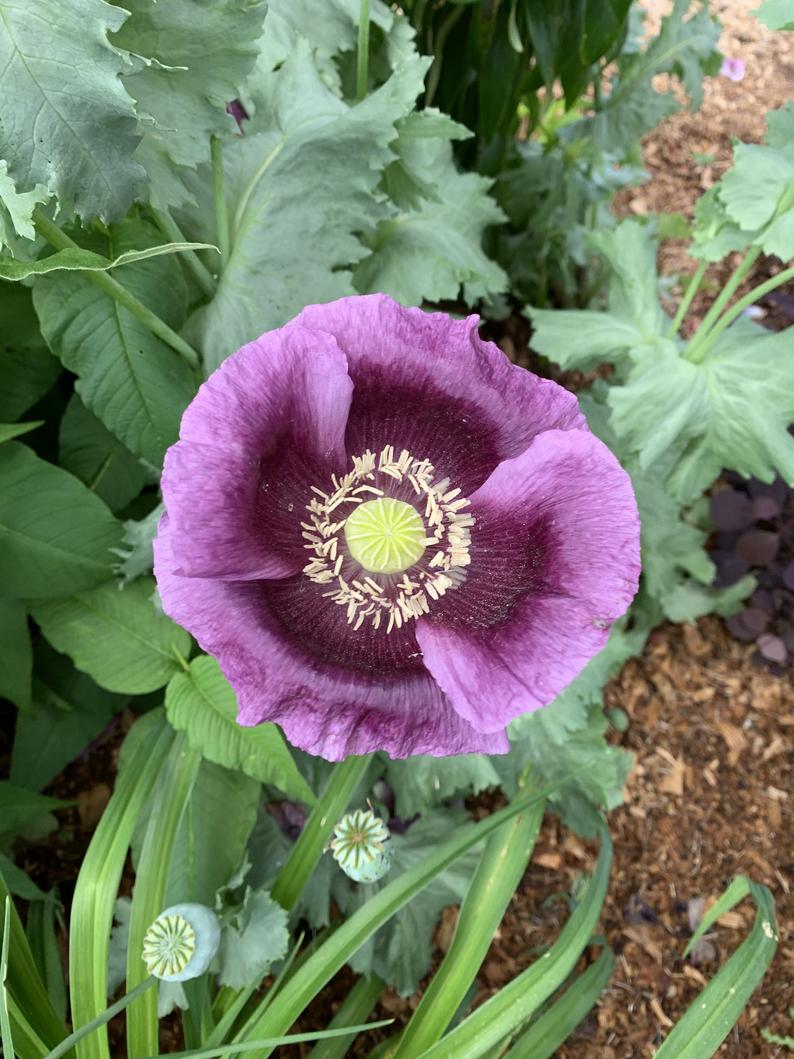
(385, 536)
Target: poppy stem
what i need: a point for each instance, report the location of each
(725, 296)
(219, 199)
(171, 230)
(692, 288)
(56, 237)
(305, 854)
(362, 63)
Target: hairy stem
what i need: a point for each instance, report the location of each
(362, 57)
(219, 198)
(692, 288)
(307, 851)
(56, 237)
(171, 230)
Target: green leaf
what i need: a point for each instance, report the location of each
(299, 195)
(134, 383)
(253, 937)
(15, 430)
(211, 840)
(197, 56)
(709, 1020)
(68, 711)
(75, 259)
(716, 413)
(55, 536)
(137, 553)
(16, 655)
(201, 703)
(556, 1025)
(18, 882)
(776, 14)
(401, 951)
(16, 208)
(27, 367)
(41, 932)
(91, 453)
(66, 121)
(117, 635)
(23, 812)
(422, 782)
(432, 248)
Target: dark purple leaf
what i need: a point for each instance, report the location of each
(730, 568)
(765, 508)
(731, 510)
(755, 620)
(788, 576)
(778, 490)
(772, 648)
(762, 599)
(758, 547)
(737, 628)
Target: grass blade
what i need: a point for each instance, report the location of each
(358, 1003)
(545, 1036)
(710, 1019)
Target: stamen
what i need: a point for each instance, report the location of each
(380, 535)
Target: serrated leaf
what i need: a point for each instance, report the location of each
(716, 413)
(253, 937)
(27, 367)
(91, 453)
(66, 121)
(422, 782)
(134, 383)
(401, 951)
(201, 703)
(212, 834)
(431, 246)
(16, 654)
(197, 55)
(55, 536)
(68, 711)
(76, 259)
(16, 208)
(299, 194)
(117, 635)
(137, 554)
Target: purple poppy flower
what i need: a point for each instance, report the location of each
(733, 69)
(391, 537)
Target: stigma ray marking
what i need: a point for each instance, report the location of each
(446, 534)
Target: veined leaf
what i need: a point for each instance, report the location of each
(66, 121)
(68, 711)
(55, 536)
(776, 14)
(27, 367)
(299, 193)
(116, 635)
(134, 383)
(16, 208)
(76, 259)
(16, 655)
(91, 453)
(197, 54)
(254, 936)
(23, 812)
(201, 703)
(421, 782)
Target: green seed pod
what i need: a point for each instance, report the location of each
(181, 942)
(362, 846)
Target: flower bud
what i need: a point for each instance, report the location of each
(362, 846)
(181, 942)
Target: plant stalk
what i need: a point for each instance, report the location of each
(737, 309)
(219, 199)
(355, 1008)
(305, 854)
(692, 288)
(719, 304)
(101, 1019)
(56, 237)
(362, 55)
(171, 230)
